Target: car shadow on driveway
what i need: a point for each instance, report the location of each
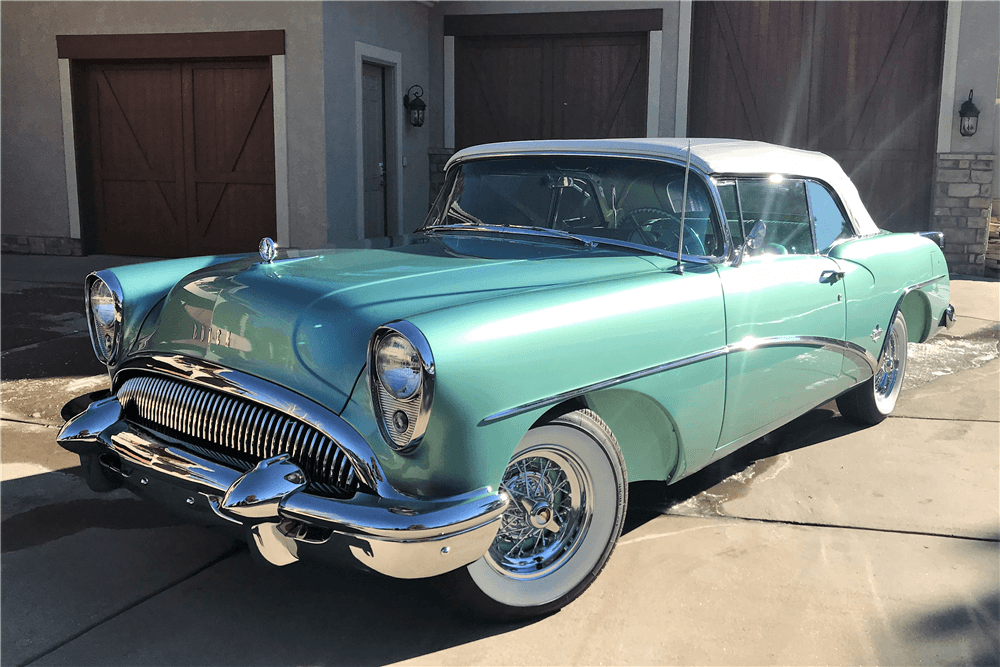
(648, 500)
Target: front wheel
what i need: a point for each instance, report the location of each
(872, 401)
(569, 491)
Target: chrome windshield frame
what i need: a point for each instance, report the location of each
(707, 180)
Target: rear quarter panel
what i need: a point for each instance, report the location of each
(881, 270)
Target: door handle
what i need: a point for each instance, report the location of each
(831, 276)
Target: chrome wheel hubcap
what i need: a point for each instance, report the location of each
(548, 516)
(885, 379)
(889, 375)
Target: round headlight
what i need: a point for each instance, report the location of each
(401, 375)
(102, 302)
(105, 319)
(399, 366)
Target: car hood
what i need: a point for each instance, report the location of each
(304, 321)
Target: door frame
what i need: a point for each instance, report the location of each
(165, 46)
(392, 61)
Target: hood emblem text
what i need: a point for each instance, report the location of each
(213, 335)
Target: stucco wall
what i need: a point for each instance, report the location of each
(976, 68)
(966, 174)
(34, 189)
(396, 26)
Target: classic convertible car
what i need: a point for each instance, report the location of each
(572, 316)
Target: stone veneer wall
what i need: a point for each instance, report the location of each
(963, 201)
(993, 244)
(41, 245)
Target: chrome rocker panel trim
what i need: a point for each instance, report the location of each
(846, 348)
(399, 537)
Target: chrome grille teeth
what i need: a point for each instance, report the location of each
(201, 409)
(239, 426)
(286, 435)
(230, 425)
(211, 410)
(187, 398)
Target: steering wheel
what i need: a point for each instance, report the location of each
(663, 230)
(632, 217)
(646, 237)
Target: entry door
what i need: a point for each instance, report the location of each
(177, 158)
(771, 301)
(373, 127)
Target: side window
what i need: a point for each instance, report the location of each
(783, 207)
(830, 221)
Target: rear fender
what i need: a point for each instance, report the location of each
(916, 310)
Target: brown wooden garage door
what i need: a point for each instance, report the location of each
(561, 75)
(856, 80)
(552, 87)
(177, 158)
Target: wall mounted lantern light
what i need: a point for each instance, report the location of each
(416, 106)
(968, 115)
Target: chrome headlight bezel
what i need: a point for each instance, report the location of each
(105, 338)
(416, 407)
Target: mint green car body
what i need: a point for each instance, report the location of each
(683, 367)
(507, 332)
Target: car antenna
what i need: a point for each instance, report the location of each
(684, 205)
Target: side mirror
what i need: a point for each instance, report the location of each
(754, 240)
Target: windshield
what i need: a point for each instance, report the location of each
(608, 199)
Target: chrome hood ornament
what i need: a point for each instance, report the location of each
(268, 251)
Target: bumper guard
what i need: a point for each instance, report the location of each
(405, 538)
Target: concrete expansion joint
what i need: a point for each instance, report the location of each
(46, 424)
(946, 419)
(110, 617)
(809, 524)
(47, 340)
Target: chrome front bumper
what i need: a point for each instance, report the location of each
(399, 537)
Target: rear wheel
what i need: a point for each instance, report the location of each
(872, 401)
(568, 491)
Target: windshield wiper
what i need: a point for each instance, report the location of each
(511, 229)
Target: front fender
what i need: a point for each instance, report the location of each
(501, 364)
(145, 285)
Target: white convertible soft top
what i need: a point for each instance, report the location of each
(711, 156)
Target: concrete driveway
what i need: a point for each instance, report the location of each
(822, 544)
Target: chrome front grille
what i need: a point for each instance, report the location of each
(234, 430)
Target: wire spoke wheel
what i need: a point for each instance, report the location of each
(889, 376)
(568, 493)
(548, 516)
(872, 401)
